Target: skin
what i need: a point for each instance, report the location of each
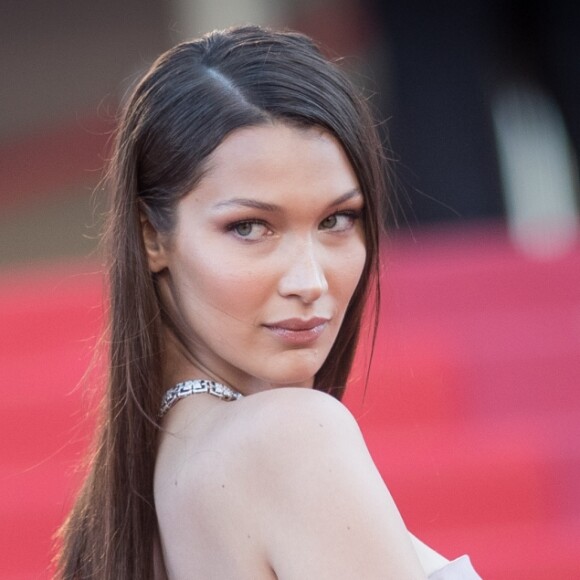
(278, 484)
(230, 268)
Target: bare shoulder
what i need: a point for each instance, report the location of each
(298, 433)
(254, 430)
(286, 429)
(289, 468)
(290, 415)
(223, 446)
(317, 492)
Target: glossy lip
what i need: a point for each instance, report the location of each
(298, 331)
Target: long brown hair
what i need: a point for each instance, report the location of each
(190, 100)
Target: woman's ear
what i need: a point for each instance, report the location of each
(154, 246)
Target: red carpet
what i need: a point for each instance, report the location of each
(472, 411)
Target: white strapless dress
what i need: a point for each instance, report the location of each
(460, 569)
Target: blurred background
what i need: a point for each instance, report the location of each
(472, 408)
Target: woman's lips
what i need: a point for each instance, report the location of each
(298, 331)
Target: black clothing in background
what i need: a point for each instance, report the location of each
(445, 61)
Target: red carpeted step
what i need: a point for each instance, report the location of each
(43, 400)
(35, 500)
(461, 476)
(48, 309)
(530, 550)
(48, 320)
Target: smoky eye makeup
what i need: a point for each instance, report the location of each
(249, 230)
(340, 221)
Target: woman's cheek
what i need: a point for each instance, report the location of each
(231, 285)
(354, 264)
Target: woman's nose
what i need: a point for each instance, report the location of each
(304, 275)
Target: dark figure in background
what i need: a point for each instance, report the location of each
(447, 59)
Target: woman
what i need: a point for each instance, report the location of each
(243, 240)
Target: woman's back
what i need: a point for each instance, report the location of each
(276, 485)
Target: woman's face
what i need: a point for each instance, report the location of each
(266, 254)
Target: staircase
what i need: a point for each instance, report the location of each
(471, 410)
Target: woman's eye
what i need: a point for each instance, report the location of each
(249, 230)
(339, 222)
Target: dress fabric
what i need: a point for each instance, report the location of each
(460, 569)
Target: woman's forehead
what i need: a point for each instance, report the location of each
(278, 155)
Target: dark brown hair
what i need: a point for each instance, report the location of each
(191, 99)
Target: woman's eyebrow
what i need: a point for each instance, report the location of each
(248, 202)
(345, 197)
(272, 207)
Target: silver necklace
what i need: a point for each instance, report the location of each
(193, 387)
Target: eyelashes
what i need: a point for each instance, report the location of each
(250, 230)
(340, 221)
(253, 230)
